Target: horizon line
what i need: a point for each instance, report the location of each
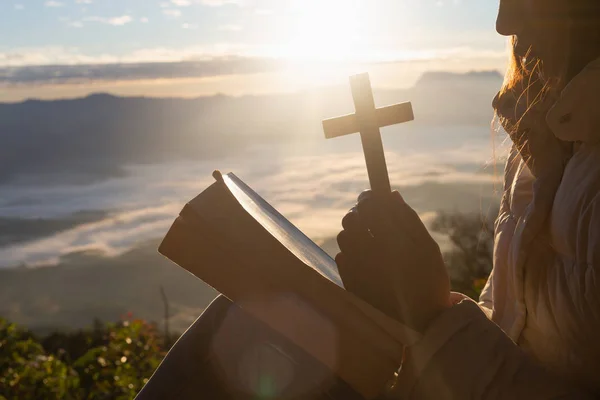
(493, 72)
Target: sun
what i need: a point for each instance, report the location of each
(324, 31)
(323, 41)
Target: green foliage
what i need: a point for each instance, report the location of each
(118, 361)
(471, 258)
(119, 369)
(27, 372)
(114, 361)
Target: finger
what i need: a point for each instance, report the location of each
(398, 197)
(408, 217)
(352, 271)
(367, 283)
(365, 195)
(340, 259)
(354, 245)
(348, 273)
(374, 217)
(355, 250)
(352, 223)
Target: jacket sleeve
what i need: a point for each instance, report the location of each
(464, 355)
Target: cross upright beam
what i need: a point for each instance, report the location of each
(368, 120)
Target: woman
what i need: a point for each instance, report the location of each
(544, 291)
(536, 332)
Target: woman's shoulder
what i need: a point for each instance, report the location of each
(581, 180)
(575, 222)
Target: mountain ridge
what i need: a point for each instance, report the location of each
(424, 78)
(97, 136)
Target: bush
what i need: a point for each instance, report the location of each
(119, 369)
(470, 259)
(114, 361)
(118, 361)
(27, 372)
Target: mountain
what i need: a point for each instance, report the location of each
(446, 78)
(17, 230)
(87, 286)
(79, 140)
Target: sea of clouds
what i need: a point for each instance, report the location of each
(313, 184)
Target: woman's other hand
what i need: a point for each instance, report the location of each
(389, 259)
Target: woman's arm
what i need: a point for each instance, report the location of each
(464, 355)
(389, 259)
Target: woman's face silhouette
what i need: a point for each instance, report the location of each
(541, 27)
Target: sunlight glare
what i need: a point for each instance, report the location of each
(325, 30)
(325, 39)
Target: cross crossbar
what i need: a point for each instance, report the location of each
(368, 120)
(386, 116)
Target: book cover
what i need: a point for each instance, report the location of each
(236, 242)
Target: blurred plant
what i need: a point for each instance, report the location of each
(69, 346)
(27, 372)
(116, 361)
(119, 369)
(470, 259)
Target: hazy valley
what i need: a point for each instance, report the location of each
(88, 186)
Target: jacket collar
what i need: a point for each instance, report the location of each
(575, 117)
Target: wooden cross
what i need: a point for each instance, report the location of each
(367, 120)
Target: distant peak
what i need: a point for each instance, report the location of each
(101, 96)
(92, 96)
(446, 76)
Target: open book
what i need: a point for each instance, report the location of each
(236, 242)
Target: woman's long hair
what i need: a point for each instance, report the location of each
(529, 90)
(526, 77)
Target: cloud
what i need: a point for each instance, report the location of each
(219, 3)
(83, 1)
(52, 3)
(66, 65)
(19, 6)
(189, 26)
(264, 11)
(442, 3)
(230, 27)
(169, 7)
(111, 236)
(210, 3)
(144, 20)
(171, 12)
(122, 20)
(60, 56)
(115, 21)
(314, 190)
(219, 66)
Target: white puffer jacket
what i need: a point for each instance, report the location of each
(544, 292)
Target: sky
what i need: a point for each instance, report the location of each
(67, 48)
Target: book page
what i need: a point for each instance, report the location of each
(283, 230)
